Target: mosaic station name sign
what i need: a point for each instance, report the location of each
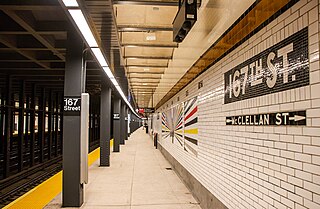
(281, 67)
(280, 118)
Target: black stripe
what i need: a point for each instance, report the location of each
(194, 141)
(195, 120)
(179, 134)
(191, 149)
(166, 136)
(192, 103)
(181, 114)
(179, 128)
(178, 140)
(180, 119)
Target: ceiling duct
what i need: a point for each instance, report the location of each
(184, 20)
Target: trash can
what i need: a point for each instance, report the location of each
(147, 131)
(155, 140)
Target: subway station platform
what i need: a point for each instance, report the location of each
(139, 178)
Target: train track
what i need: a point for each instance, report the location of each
(17, 185)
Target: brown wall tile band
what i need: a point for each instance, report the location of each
(258, 16)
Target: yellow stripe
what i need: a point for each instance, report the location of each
(191, 131)
(179, 131)
(165, 128)
(42, 194)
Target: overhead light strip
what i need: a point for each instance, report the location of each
(70, 3)
(82, 24)
(99, 56)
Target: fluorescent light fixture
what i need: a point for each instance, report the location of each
(108, 72)
(114, 81)
(151, 37)
(146, 69)
(98, 54)
(86, 32)
(70, 3)
(83, 26)
(144, 84)
(118, 88)
(131, 46)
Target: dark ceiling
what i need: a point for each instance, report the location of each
(33, 35)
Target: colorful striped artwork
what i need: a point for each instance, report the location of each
(180, 125)
(165, 125)
(191, 126)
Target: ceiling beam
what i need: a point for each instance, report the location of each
(29, 33)
(143, 77)
(20, 7)
(146, 72)
(150, 45)
(128, 28)
(20, 60)
(147, 66)
(2, 69)
(149, 85)
(28, 28)
(59, 26)
(149, 57)
(147, 3)
(134, 86)
(32, 49)
(150, 91)
(11, 43)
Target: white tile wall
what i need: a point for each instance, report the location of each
(259, 167)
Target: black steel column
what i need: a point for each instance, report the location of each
(126, 122)
(2, 124)
(122, 123)
(129, 122)
(116, 124)
(32, 124)
(61, 123)
(21, 126)
(72, 193)
(7, 130)
(27, 123)
(105, 125)
(50, 110)
(56, 125)
(41, 124)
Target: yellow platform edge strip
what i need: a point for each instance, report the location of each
(42, 194)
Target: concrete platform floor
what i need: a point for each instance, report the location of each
(136, 179)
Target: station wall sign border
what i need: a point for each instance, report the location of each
(269, 119)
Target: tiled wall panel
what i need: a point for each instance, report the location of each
(258, 166)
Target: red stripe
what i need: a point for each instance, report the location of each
(179, 124)
(191, 113)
